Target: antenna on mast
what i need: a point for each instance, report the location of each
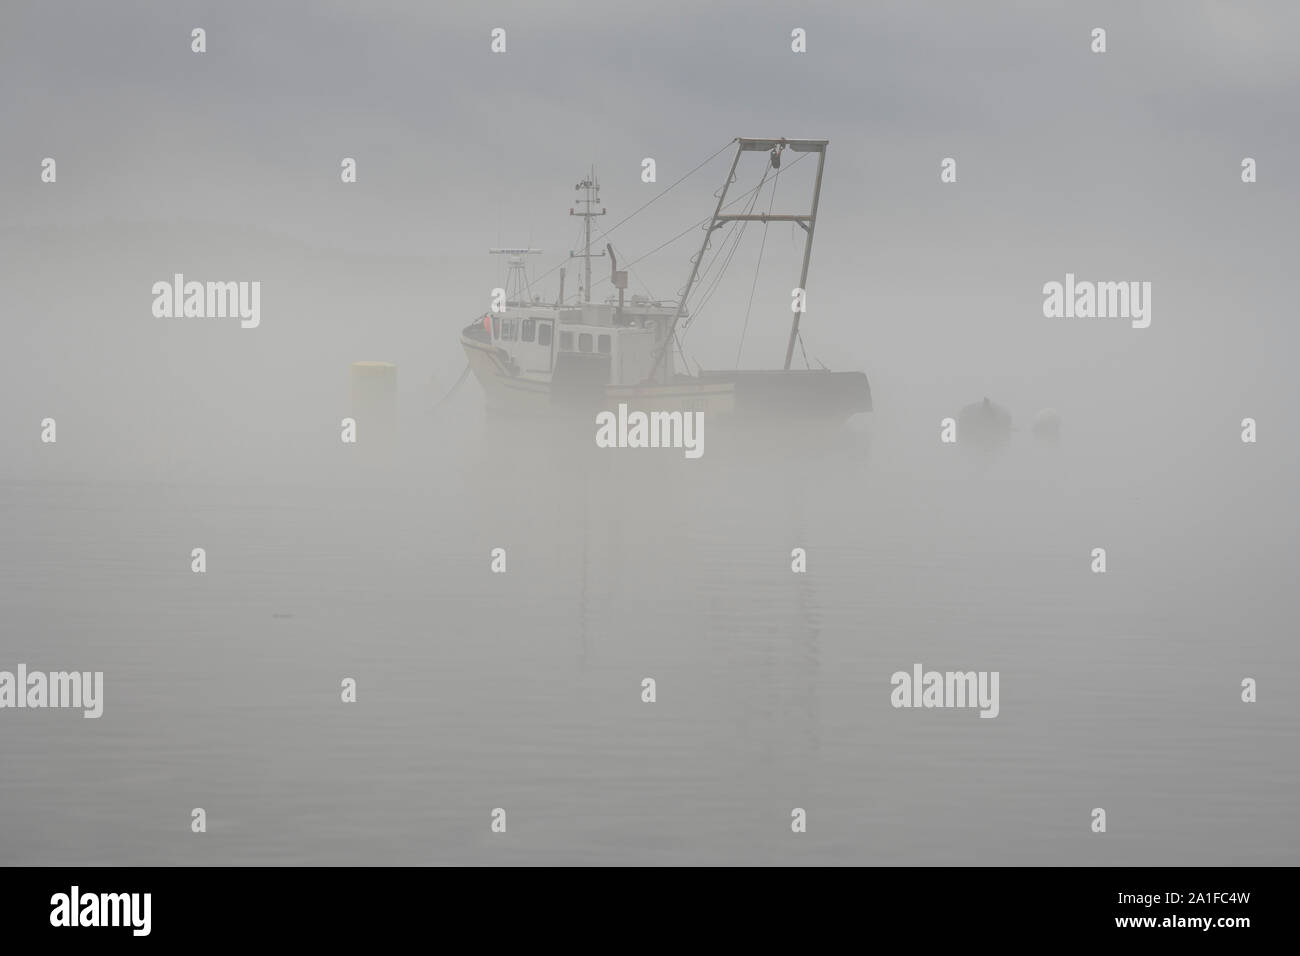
(591, 200)
(518, 291)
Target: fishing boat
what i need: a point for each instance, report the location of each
(536, 357)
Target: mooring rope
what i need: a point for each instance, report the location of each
(440, 402)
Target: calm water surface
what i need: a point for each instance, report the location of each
(522, 690)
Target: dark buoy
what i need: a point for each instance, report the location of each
(983, 427)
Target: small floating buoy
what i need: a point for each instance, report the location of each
(1047, 425)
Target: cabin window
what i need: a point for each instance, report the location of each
(544, 334)
(602, 344)
(584, 341)
(566, 341)
(529, 330)
(496, 327)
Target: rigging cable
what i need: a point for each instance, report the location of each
(440, 402)
(757, 269)
(717, 280)
(693, 226)
(735, 235)
(661, 195)
(714, 287)
(732, 236)
(646, 204)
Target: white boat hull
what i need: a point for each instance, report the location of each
(517, 392)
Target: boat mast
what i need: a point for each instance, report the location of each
(592, 187)
(517, 277)
(807, 250)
